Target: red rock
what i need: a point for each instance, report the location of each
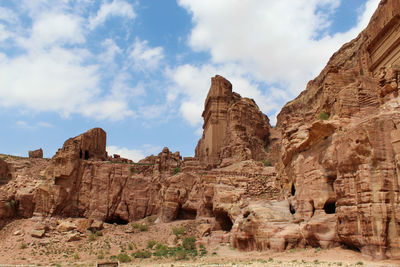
(35, 154)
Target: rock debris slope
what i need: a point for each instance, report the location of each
(327, 175)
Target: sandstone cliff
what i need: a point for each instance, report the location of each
(234, 127)
(335, 154)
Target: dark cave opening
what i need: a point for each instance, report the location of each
(80, 154)
(313, 208)
(186, 214)
(292, 210)
(224, 220)
(293, 190)
(86, 155)
(117, 220)
(246, 214)
(330, 207)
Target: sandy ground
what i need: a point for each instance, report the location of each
(54, 250)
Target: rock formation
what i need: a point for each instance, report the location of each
(36, 154)
(338, 159)
(234, 127)
(4, 170)
(335, 154)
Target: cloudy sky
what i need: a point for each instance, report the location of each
(141, 69)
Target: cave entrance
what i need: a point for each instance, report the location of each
(330, 207)
(223, 220)
(86, 155)
(186, 214)
(117, 220)
(291, 208)
(293, 190)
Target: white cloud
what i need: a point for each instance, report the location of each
(267, 49)
(53, 74)
(145, 57)
(52, 28)
(108, 9)
(28, 126)
(133, 154)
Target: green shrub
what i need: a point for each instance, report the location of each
(151, 219)
(135, 225)
(92, 237)
(267, 163)
(76, 256)
(151, 244)
(179, 231)
(23, 245)
(323, 116)
(143, 227)
(142, 254)
(180, 254)
(203, 250)
(176, 170)
(161, 250)
(98, 233)
(130, 246)
(122, 257)
(360, 263)
(189, 243)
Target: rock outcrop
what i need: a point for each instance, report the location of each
(35, 154)
(326, 175)
(4, 170)
(234, 127)
(338, 152)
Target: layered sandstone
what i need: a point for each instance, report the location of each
(335, 154)
(35, 154)
(234, 127)
(344, 168)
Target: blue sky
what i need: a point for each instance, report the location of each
(141, 69)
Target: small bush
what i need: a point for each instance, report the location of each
(179, 231)
(151, 219)
(23, 245)
(360, 263)
(267, 163)
(76, 256)
(161, 250)
(180, 254)
(142, 254)
(323, 116)
(98, 233)
(176, 170)
(151, 244)
(143, 227)
(189, 243)
(123, 257)
(92, 237)
(135, 225)
(130, 246)
(203, 250)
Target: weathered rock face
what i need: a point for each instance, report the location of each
(4, 170)
(114, 191)
(337, 150)
(36, 154)
(234, 127)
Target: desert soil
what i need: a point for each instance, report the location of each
(20, 248)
